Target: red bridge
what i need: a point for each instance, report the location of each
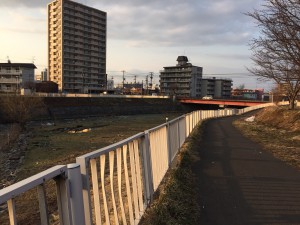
(221, 102)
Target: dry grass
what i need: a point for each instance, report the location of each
(277, 129)
(8, 135)
(54, 144)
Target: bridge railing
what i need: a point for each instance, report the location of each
(115, 184)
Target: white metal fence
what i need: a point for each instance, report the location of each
(115, 184)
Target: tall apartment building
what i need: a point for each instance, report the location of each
(183, 80)
(16, 76)
(76, 47)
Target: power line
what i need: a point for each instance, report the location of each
(227, 74)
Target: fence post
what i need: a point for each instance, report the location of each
(147, 165)
(178, 128)
(76, 198)
(63, 200)
(85, 189)
(169, 143)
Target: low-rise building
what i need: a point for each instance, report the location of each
(16, 76)
(46, 87)
(250, 94)
(42, 77)
(216, 87)
(133, 89)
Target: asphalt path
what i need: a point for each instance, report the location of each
(240, 183)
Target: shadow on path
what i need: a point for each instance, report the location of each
(240, 183)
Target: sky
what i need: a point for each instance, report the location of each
(144, 36)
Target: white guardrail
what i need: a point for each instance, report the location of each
(115, 184)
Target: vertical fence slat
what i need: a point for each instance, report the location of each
(159, 154)
(43, 204)
(12, 211)
(96, 193)
(134, 181)
(128, 186)
(138, 174)
(105, 203)
(119, 168)
(147, 169)
(111, 173)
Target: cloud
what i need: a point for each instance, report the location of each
(179, 23)
(23, 30)
(21, 3)
(170, 22)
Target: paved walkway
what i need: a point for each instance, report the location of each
(242, 184)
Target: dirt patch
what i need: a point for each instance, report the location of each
(277, 129)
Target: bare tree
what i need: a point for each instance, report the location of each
(20, 109)
(276, 52)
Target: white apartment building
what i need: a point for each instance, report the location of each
(182, 80)
(76, 47)
(16, 76)
(216, 87)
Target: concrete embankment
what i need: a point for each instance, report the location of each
(72, 107)
(110, 106)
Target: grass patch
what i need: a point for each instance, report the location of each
(54, 144)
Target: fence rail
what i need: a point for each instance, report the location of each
(115, 184)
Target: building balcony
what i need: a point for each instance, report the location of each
(169, 76)
(9, 81)
(179, 70)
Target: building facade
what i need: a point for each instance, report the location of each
(76, 47)
(216, 87)
(182, 80)
(256, 94)
(16, 76)
(42, 77)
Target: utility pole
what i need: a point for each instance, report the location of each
(147, 85)
(151, 78)
(123, 80)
